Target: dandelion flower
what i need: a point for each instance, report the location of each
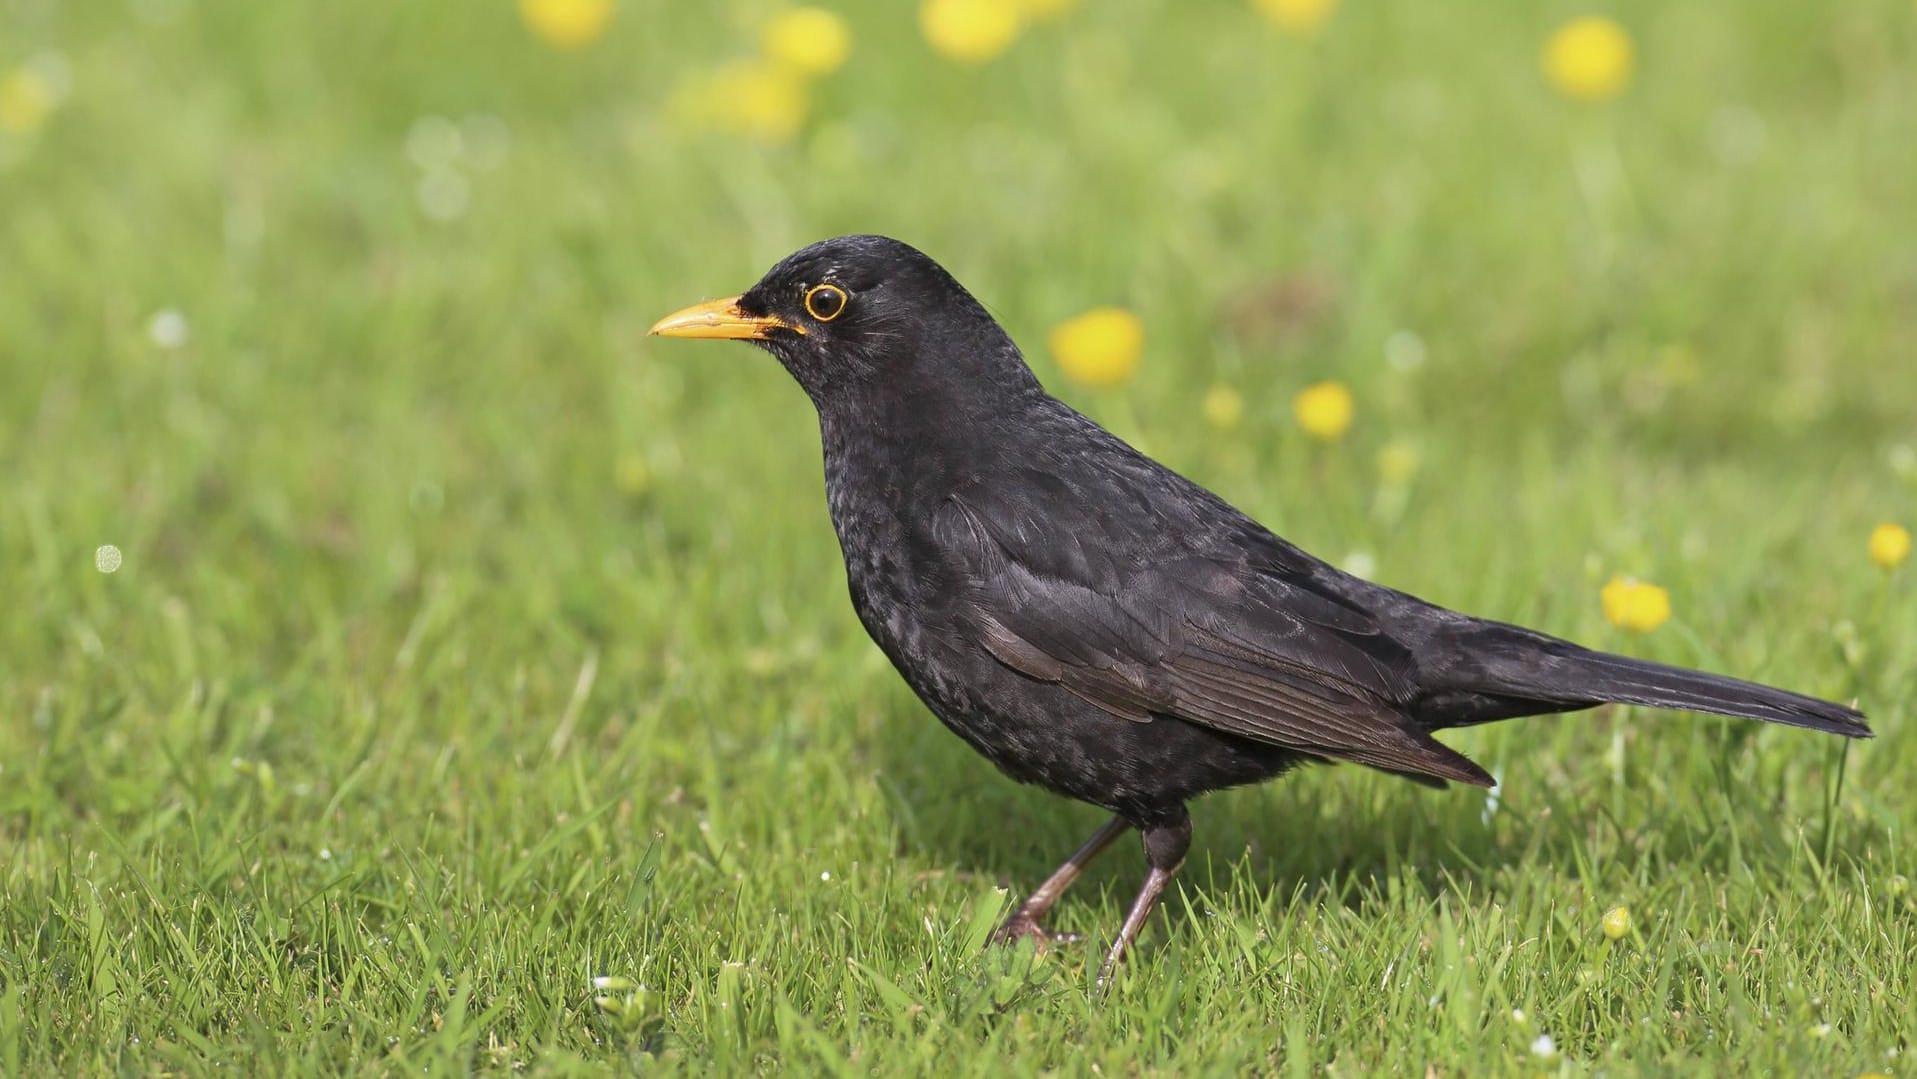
(1543, 1046)
(754, 98)
(808, 41)
(1099, 348)
(1634, 605)
(1224, 407)
(632, 474)
(1589, 59)
(1397, 464)
(1679, 364)
(26, 99)
(107, 558)
(1617, 923)
(1324, 410)
(567, 24)
(970, 31)
(1301, 18)
(1889, 545)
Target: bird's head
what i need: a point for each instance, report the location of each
(859, 315)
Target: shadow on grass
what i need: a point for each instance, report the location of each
(1342, 835)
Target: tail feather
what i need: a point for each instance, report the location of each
(1636, 681)
(1517, 672)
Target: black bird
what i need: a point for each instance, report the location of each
(1095, 623)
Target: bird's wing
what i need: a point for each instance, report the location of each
(1116, 610)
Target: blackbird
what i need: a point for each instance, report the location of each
(1097, 624)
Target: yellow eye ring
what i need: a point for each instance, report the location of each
(826, 302)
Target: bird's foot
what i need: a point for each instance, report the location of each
(1021, 927)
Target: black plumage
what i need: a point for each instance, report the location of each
(1095, 623)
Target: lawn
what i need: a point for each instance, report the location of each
(474, 687)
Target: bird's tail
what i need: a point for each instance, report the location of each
(1515, 672)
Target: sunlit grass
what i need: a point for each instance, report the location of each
(407, 666)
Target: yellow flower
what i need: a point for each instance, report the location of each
(970, 31)
(26, 98)
(568, 24)
(1589, 59)
(1300, 17)
(632, 474)
(1099, 348)
(1324, 410)
(1617, 922)
(1223, 407)
(1634, 605)
(754, 98)
(1889, 545)
(808, 40)
(1397, 463)
(1678, 363)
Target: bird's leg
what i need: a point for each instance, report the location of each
(1165, 847)
(1024, 921)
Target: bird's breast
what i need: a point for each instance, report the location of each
(879, 501)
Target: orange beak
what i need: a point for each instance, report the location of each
(720, 318)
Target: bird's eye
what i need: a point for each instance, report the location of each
(825, 302)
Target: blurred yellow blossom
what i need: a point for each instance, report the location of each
(808, 40)
(970, 31)
(1099, 348)
(632, 474)
(1889, 545)
(1397, 463)
(754, 98)
(1634, 605)
(1589, 59)
(1324, 410)
(1680, 365)
(1617, 922)
(568, 24)
(1224, 407)
(1300, 17)
(26, 98)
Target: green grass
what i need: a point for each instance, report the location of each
(469, 646)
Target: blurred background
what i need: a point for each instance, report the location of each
(305, 305)
(333, 445)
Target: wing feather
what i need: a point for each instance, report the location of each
(1206, 637)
